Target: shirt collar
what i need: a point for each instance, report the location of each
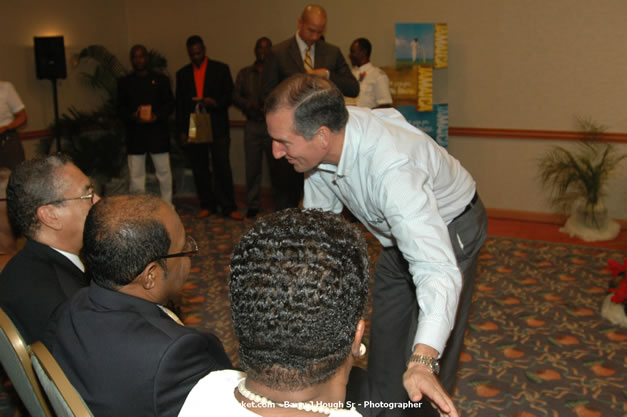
(365, 67)
(202, 66)
(302, 46)
(73, 258)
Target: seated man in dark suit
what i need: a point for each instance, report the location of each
(125, 353)
(47, 200)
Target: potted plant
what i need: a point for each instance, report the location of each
(577, 181)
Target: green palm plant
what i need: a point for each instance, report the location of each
(580, 175)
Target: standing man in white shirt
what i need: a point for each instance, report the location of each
(12, 116)
(422, 206)
(374, 84)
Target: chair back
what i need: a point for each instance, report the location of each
(65, 400)
(15, 359)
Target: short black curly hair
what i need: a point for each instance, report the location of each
(299, 283)
(122, 235)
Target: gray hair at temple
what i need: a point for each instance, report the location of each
(316, 102)
(32, 184)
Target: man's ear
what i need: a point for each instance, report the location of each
(47, 215)
(324, 135)
(359, 334)
(149, 276)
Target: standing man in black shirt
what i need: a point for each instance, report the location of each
(145, 102)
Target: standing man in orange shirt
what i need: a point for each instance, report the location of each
(206, 85)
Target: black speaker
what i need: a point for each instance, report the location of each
(50, 57)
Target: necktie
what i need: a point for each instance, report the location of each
(307, 60)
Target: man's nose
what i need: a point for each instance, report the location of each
(278, 150)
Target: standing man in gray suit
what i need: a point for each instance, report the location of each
(305, 52)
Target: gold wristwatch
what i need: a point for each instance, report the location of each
(431, 362)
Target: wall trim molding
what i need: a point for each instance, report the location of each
(468, 132)
(536, 217)
(560, 135)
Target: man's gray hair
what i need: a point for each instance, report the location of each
(316, 102)
(32, 184)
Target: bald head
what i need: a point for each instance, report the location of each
(122, 235)
(312, 24)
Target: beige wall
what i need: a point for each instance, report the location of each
(526, 64)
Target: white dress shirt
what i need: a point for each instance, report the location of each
(72, 258)
(405, 189)
(374, 86)
(10, 103)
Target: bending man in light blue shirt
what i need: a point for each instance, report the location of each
(422, 206)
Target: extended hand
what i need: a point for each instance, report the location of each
(320, 72)
(420, 382)
(208, 101)
(183, 139)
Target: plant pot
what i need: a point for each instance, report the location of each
(591, 224)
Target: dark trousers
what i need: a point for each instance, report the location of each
(287, 184)
(395, 312)
(256, 143)
(219, 192)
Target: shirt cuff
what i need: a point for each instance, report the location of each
(431, 333)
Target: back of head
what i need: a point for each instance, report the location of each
(32, 184)
(316, 102)
(194, 40)
(365, 46)
(122, 235)
(299, 283)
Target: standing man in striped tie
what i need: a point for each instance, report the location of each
(305, 52)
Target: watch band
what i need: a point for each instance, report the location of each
(431, 362)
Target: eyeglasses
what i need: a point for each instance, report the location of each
(189, 249)
(89, 197)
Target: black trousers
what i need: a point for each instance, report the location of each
(217, 192)
(395, 312)
(287, 184)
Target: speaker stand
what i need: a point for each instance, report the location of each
(57, 134)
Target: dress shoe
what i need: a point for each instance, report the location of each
(235, 215)
(252, 213)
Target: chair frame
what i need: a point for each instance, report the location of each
(56, 375)
(22, 352)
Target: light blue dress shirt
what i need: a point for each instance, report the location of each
(405, 189)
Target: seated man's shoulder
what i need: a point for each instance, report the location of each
(35, 262)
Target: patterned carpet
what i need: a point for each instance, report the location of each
(536, 345)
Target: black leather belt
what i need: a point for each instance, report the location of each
(469, 206)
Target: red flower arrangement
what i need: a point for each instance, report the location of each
(618, 284)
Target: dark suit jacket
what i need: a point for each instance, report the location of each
(285, 60)
(153, 89)
(128, 358)
(218, 85)
(33, 284)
